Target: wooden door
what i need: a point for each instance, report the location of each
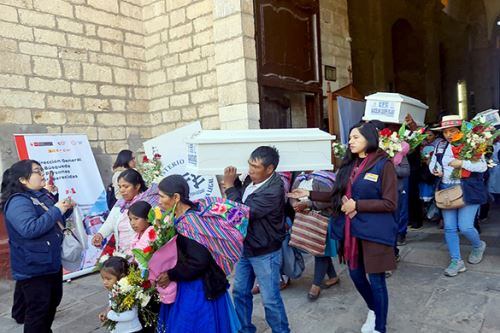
(288, 52)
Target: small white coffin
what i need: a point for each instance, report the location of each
(393, 108)
(210, 151)
(490, 116)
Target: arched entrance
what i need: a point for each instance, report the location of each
(496, 62)
(408, 60)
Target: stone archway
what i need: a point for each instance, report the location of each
(408, 60)
(495, 43)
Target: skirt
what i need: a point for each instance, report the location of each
(193, 313)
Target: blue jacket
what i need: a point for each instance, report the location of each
(34, 237)
(378, 225)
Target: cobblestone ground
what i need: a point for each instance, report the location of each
(422, 299)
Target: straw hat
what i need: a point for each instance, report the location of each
(449, 121)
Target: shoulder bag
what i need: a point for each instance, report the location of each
(71, 248)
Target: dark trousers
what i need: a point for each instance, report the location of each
(374, 292)
(322, 266)
(36, 300)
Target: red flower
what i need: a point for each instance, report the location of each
(385, 132)
(145, 159)
(478, 129)
(152, 235)
(465, 174)
(157, 156)
(146, 284)
(456, 150)
(147, 249)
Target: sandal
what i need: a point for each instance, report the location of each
(331, 282)
(314, 292)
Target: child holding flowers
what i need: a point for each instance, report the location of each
(145, 232)
(113, 273)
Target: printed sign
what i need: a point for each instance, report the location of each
(174, 156)
(69, 163)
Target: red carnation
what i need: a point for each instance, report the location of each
(456, 150)
(465, 173)
(478, 129)
(386, 132)
(147, 249)
(146, 284)
(145, 159)
(157, 156)
(152, 234)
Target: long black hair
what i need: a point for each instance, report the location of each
(370, 133)
(123, 159)
(117, 266)
(176, 184)
(133, 177)
(11, 179)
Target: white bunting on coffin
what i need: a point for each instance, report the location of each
(210, 151)
(393, 108)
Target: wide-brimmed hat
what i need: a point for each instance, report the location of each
(449, 121)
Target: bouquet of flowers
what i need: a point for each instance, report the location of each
(163, 232)
(413, 138)
(390, 142)
(132, 291)
(474, 140)
(339, 150)
(151, 169)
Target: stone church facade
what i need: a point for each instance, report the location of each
(123, 71)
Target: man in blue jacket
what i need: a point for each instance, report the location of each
(263, 192)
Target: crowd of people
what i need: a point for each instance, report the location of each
(368, 201)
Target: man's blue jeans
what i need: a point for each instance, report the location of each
(266, 269)
(374, 292)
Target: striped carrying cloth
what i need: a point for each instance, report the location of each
(218, 224)
(309, 233)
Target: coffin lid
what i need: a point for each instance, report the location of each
(260, 135)
(394, 97)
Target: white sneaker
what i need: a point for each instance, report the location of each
(369, 325)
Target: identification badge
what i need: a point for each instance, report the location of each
(371, 177)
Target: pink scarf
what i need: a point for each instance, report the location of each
(351, 250)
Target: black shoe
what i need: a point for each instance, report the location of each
(401, 240)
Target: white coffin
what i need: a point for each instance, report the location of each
(210, 151)
(393, 108)
(490, 116)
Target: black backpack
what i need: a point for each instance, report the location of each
(110, 196)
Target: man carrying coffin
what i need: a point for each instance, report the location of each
(263, 192)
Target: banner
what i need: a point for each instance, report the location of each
(174, 156)
(68, 160)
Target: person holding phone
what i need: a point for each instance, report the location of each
(364, 200)
(35, 239)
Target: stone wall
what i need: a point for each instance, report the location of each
(335, 40)
(74, 67)
(123, 71)
(180, 59)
